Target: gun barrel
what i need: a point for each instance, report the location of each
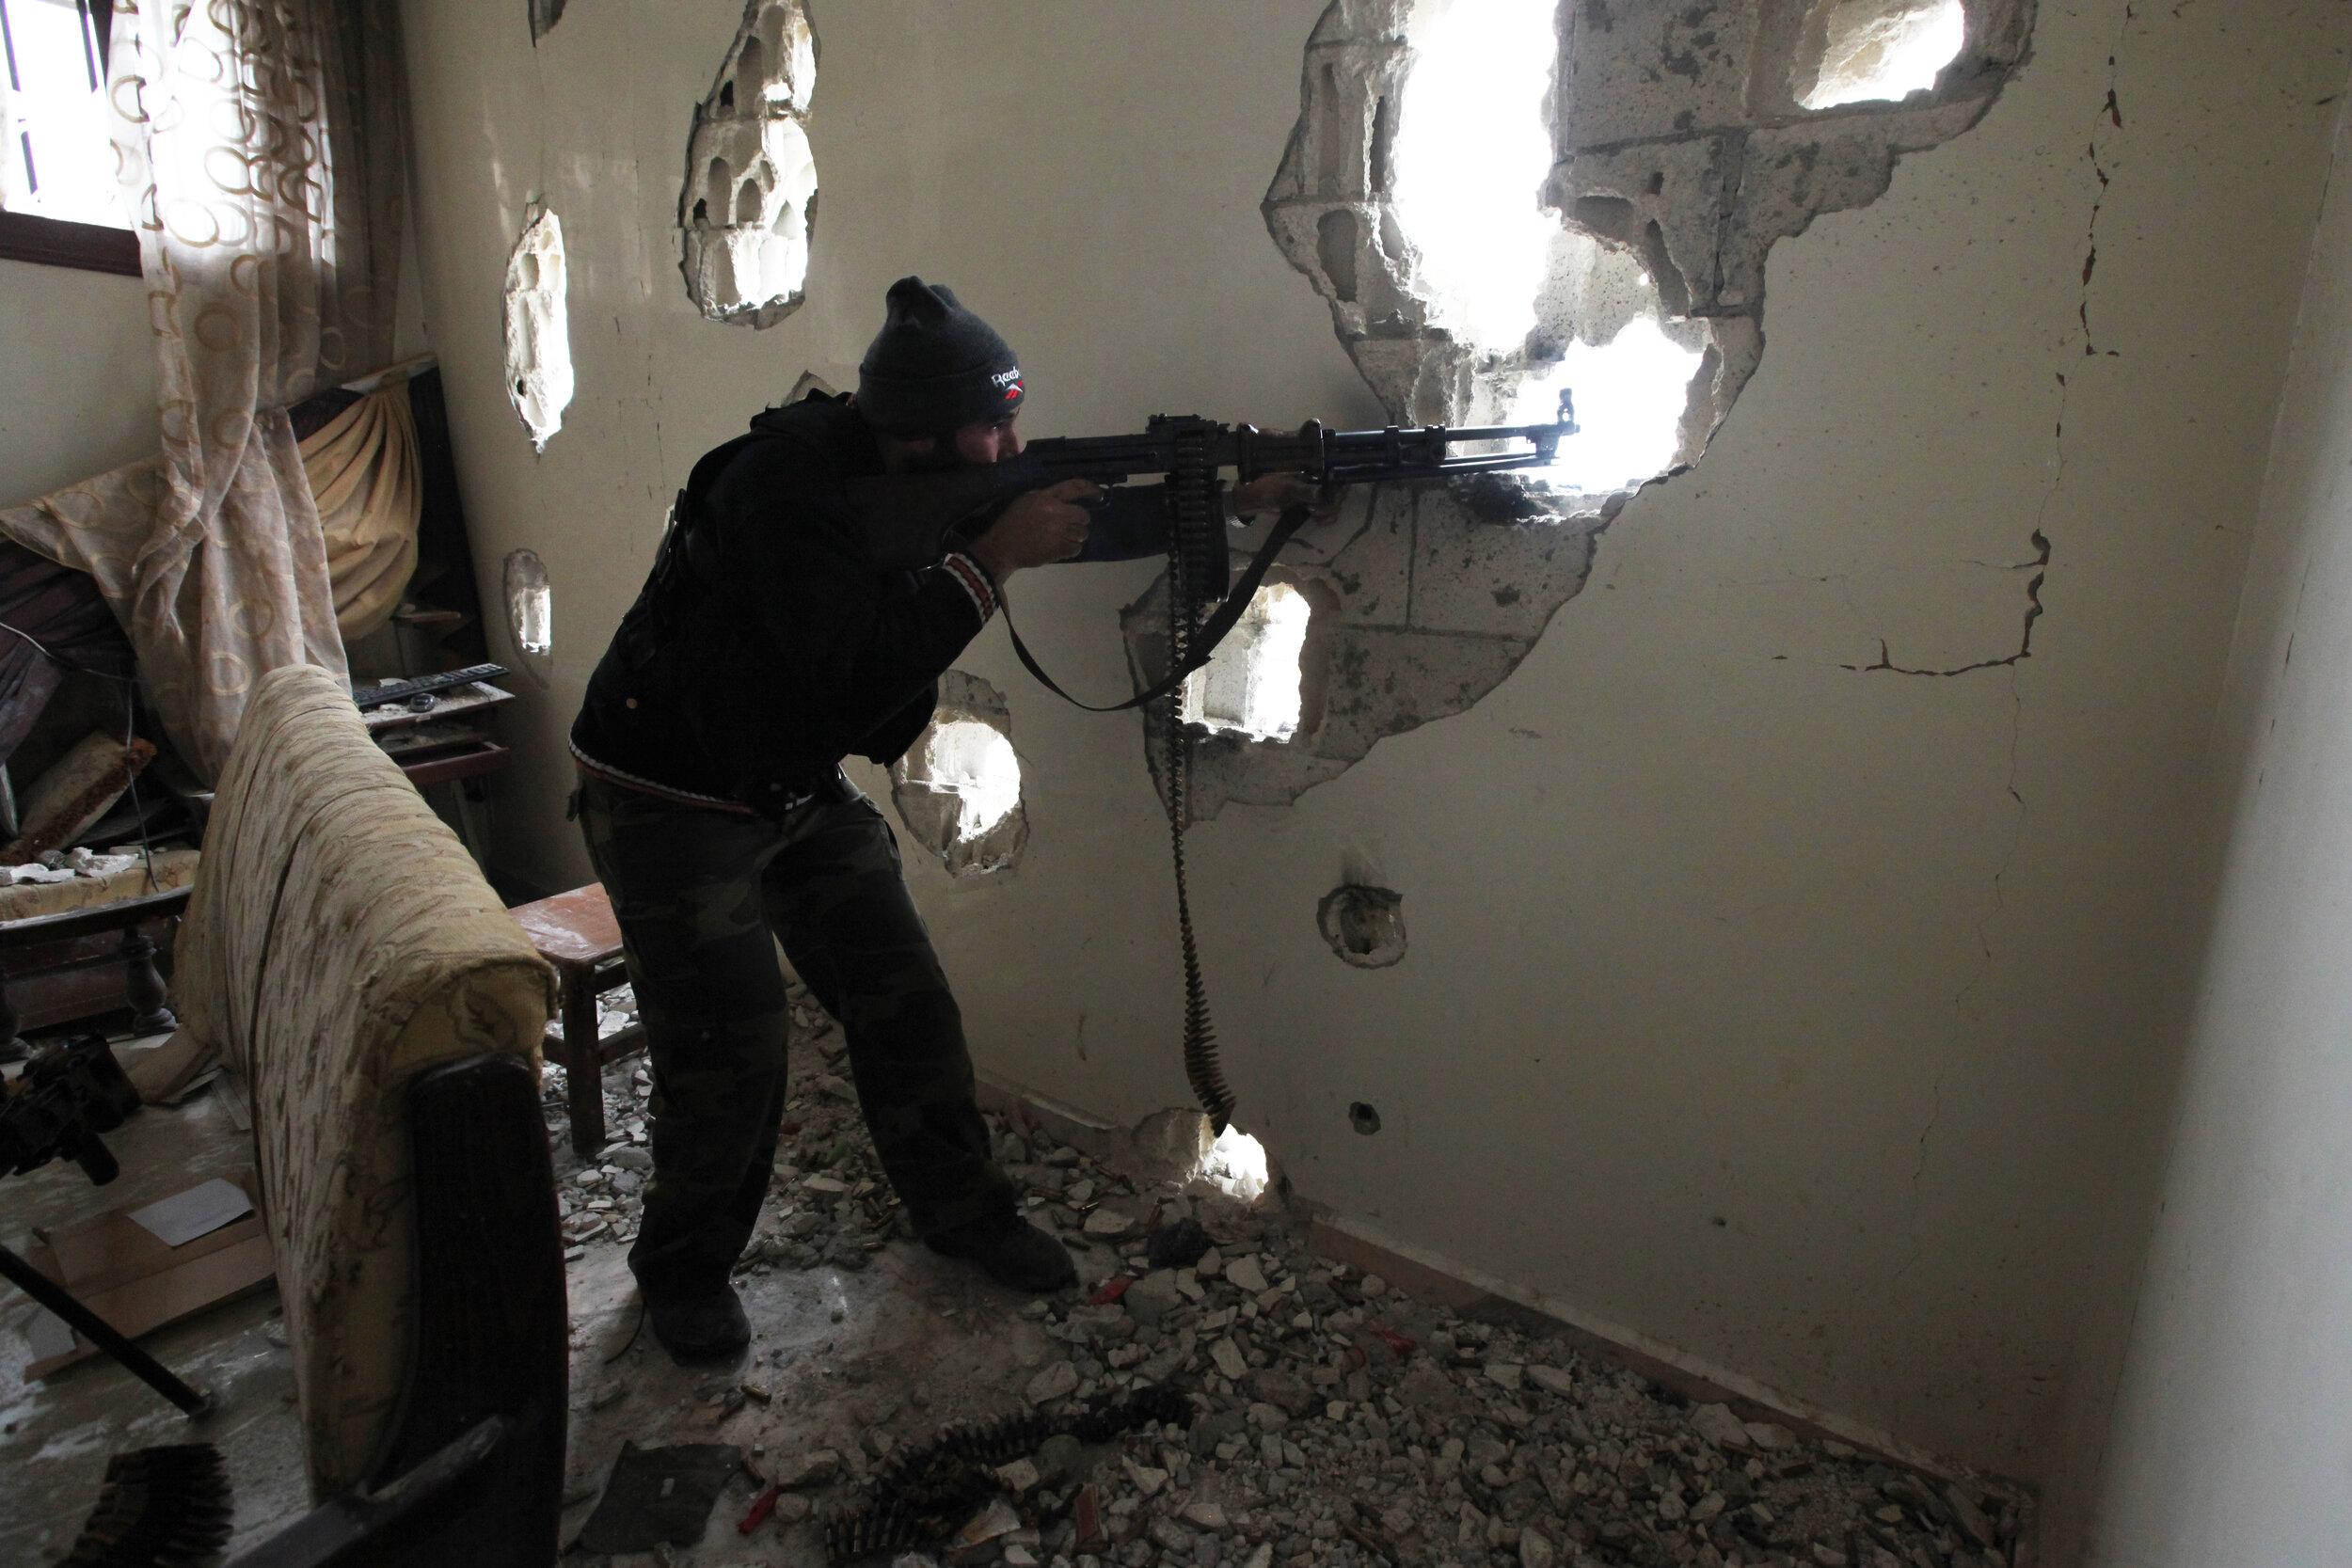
(1335, 456)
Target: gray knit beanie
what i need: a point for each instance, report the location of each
(935, 367)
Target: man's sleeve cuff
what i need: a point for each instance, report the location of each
(974, 579)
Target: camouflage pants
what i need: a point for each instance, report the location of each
(698, 895)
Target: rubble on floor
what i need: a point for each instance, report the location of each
(1338, 1424)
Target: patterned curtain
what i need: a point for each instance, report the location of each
(260, 145)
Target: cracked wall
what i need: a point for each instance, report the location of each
(1683, 151)
(1707, 929)
(1423, 598)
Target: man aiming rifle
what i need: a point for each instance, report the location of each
(820, 572)
(769, 644)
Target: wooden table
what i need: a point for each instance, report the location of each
(576, 931)
(143, 986)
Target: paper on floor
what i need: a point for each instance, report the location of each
(48, 1334)
(198, 1211)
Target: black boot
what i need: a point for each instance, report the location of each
(1014, 1251)
(699, 1328)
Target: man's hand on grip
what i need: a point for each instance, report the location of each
(1038, 529)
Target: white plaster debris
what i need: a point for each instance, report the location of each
(71, 864)
(1340, 1423)
(1719, 1426)
(1056, 1381)
(1550, 1379)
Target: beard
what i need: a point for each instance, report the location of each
(942, 458)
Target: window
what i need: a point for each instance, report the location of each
(1252, 684)
(59, 201)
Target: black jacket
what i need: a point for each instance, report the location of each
(755, 661)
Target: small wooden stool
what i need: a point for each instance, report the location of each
(577, 933)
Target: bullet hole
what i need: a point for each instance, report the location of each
(748, 210)
(958, 788)
(531, 613)
(1363, 1118)
(538, 329)
(1366, 925)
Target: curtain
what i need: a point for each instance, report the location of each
(365, 478)
(261, 148)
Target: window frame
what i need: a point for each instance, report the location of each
(61, 242)
(56, 243)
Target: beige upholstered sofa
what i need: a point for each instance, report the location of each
(339, 944)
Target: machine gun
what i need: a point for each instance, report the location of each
(909, 520)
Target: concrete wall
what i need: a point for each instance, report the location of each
(78, 394)
(1805, 1020)
(2234, 1432)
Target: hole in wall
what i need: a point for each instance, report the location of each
(1363, 1118)
(1508, 238)
(1253, 686)
(1471, 154)
(531, 613)
(1364, 925)
(958, 788)
(538, 329)
(1864, 50)
(747, 238)
(1472, 157)
(1236, 1165)
(545, 14)
(1629, 393)
(1640, 162)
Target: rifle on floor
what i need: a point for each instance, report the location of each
(908, 521)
